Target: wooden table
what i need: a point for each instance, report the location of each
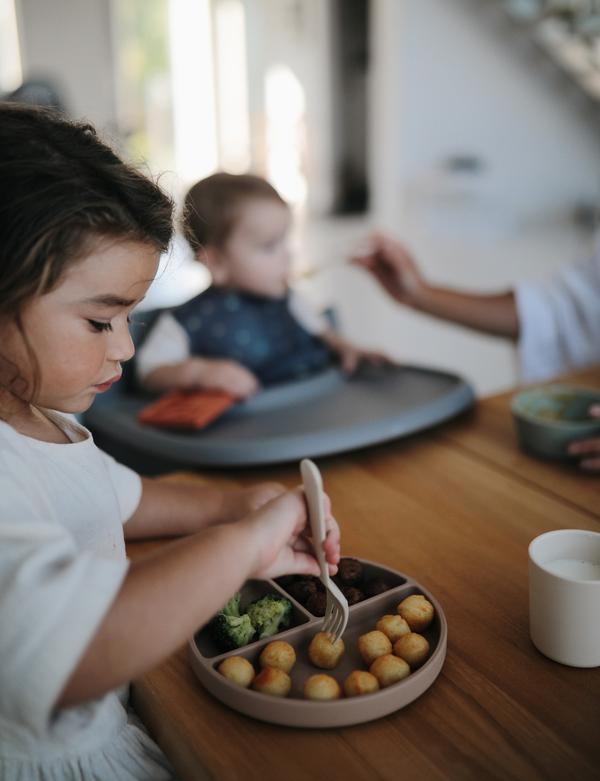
(456, 508)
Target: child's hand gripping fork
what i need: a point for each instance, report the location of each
(336, 613)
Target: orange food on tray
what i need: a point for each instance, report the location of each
(180, 409)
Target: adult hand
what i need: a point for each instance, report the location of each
(588, 449)
(394, 268)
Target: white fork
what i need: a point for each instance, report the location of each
(336, 612)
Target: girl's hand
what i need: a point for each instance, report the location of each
(238, 503)
(394, 268)
(282, 538)
(588, 448)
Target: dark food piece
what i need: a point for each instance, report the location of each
(317, 581)
(352, 594)
(286, 581)
(350, 571)
(302, 590)
(317, 603)
(375, 586)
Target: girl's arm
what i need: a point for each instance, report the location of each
(171, 509)
(167, 595)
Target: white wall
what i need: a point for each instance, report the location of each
(69, 42)
(458, 77)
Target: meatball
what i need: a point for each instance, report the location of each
(278, 654)
(360, 682)
(389, 669)
(272, 681)
(392, 626)
(413, 648)
(374, 587)
(317, 603)
(238, 670)
(417, 611)
(352, 594)
(373, 644)
(285, 581)
(350, 571)
(302, 590)
(322, 687)
(324, 653)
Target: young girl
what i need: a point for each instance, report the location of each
(80, 238)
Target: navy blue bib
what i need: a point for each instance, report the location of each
(258, 332)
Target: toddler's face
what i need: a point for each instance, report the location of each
(79, 330)
(256, 256)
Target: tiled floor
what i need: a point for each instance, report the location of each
(467, 258)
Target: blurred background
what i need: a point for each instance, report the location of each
(469, 129)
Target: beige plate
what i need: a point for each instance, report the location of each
(294, 711)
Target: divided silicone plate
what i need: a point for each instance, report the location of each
(294, 710)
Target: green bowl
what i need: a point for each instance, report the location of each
(548, 418)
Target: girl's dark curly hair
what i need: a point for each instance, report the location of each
(61, 188)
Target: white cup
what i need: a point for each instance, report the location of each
(564, 596)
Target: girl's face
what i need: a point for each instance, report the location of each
(79, 330)
(256, 256)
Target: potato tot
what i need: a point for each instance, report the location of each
(389, 669)
(417, 611)
(393, 626)
(413, 648)
(323, 653)
(322, 687)
(272, 681)
(278, 654)
(373, 644)
(360, 682)
(238, 670)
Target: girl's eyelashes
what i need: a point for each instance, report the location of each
(99, 326)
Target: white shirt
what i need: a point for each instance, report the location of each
(62, 562)
(559, 321)
(168, 341)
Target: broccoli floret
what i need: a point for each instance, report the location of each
(270, 614)
(230, 632)
(232, 608)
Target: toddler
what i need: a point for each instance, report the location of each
(556, 323)
(248, 328)
(80, 238)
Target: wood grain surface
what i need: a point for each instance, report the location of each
(456, 509)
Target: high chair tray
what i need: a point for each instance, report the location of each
(296, 711)
(322, 415)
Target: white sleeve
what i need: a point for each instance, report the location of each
(166, 343)
(127, 485)
(52, 599)
(303, 311)
(559, 321)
